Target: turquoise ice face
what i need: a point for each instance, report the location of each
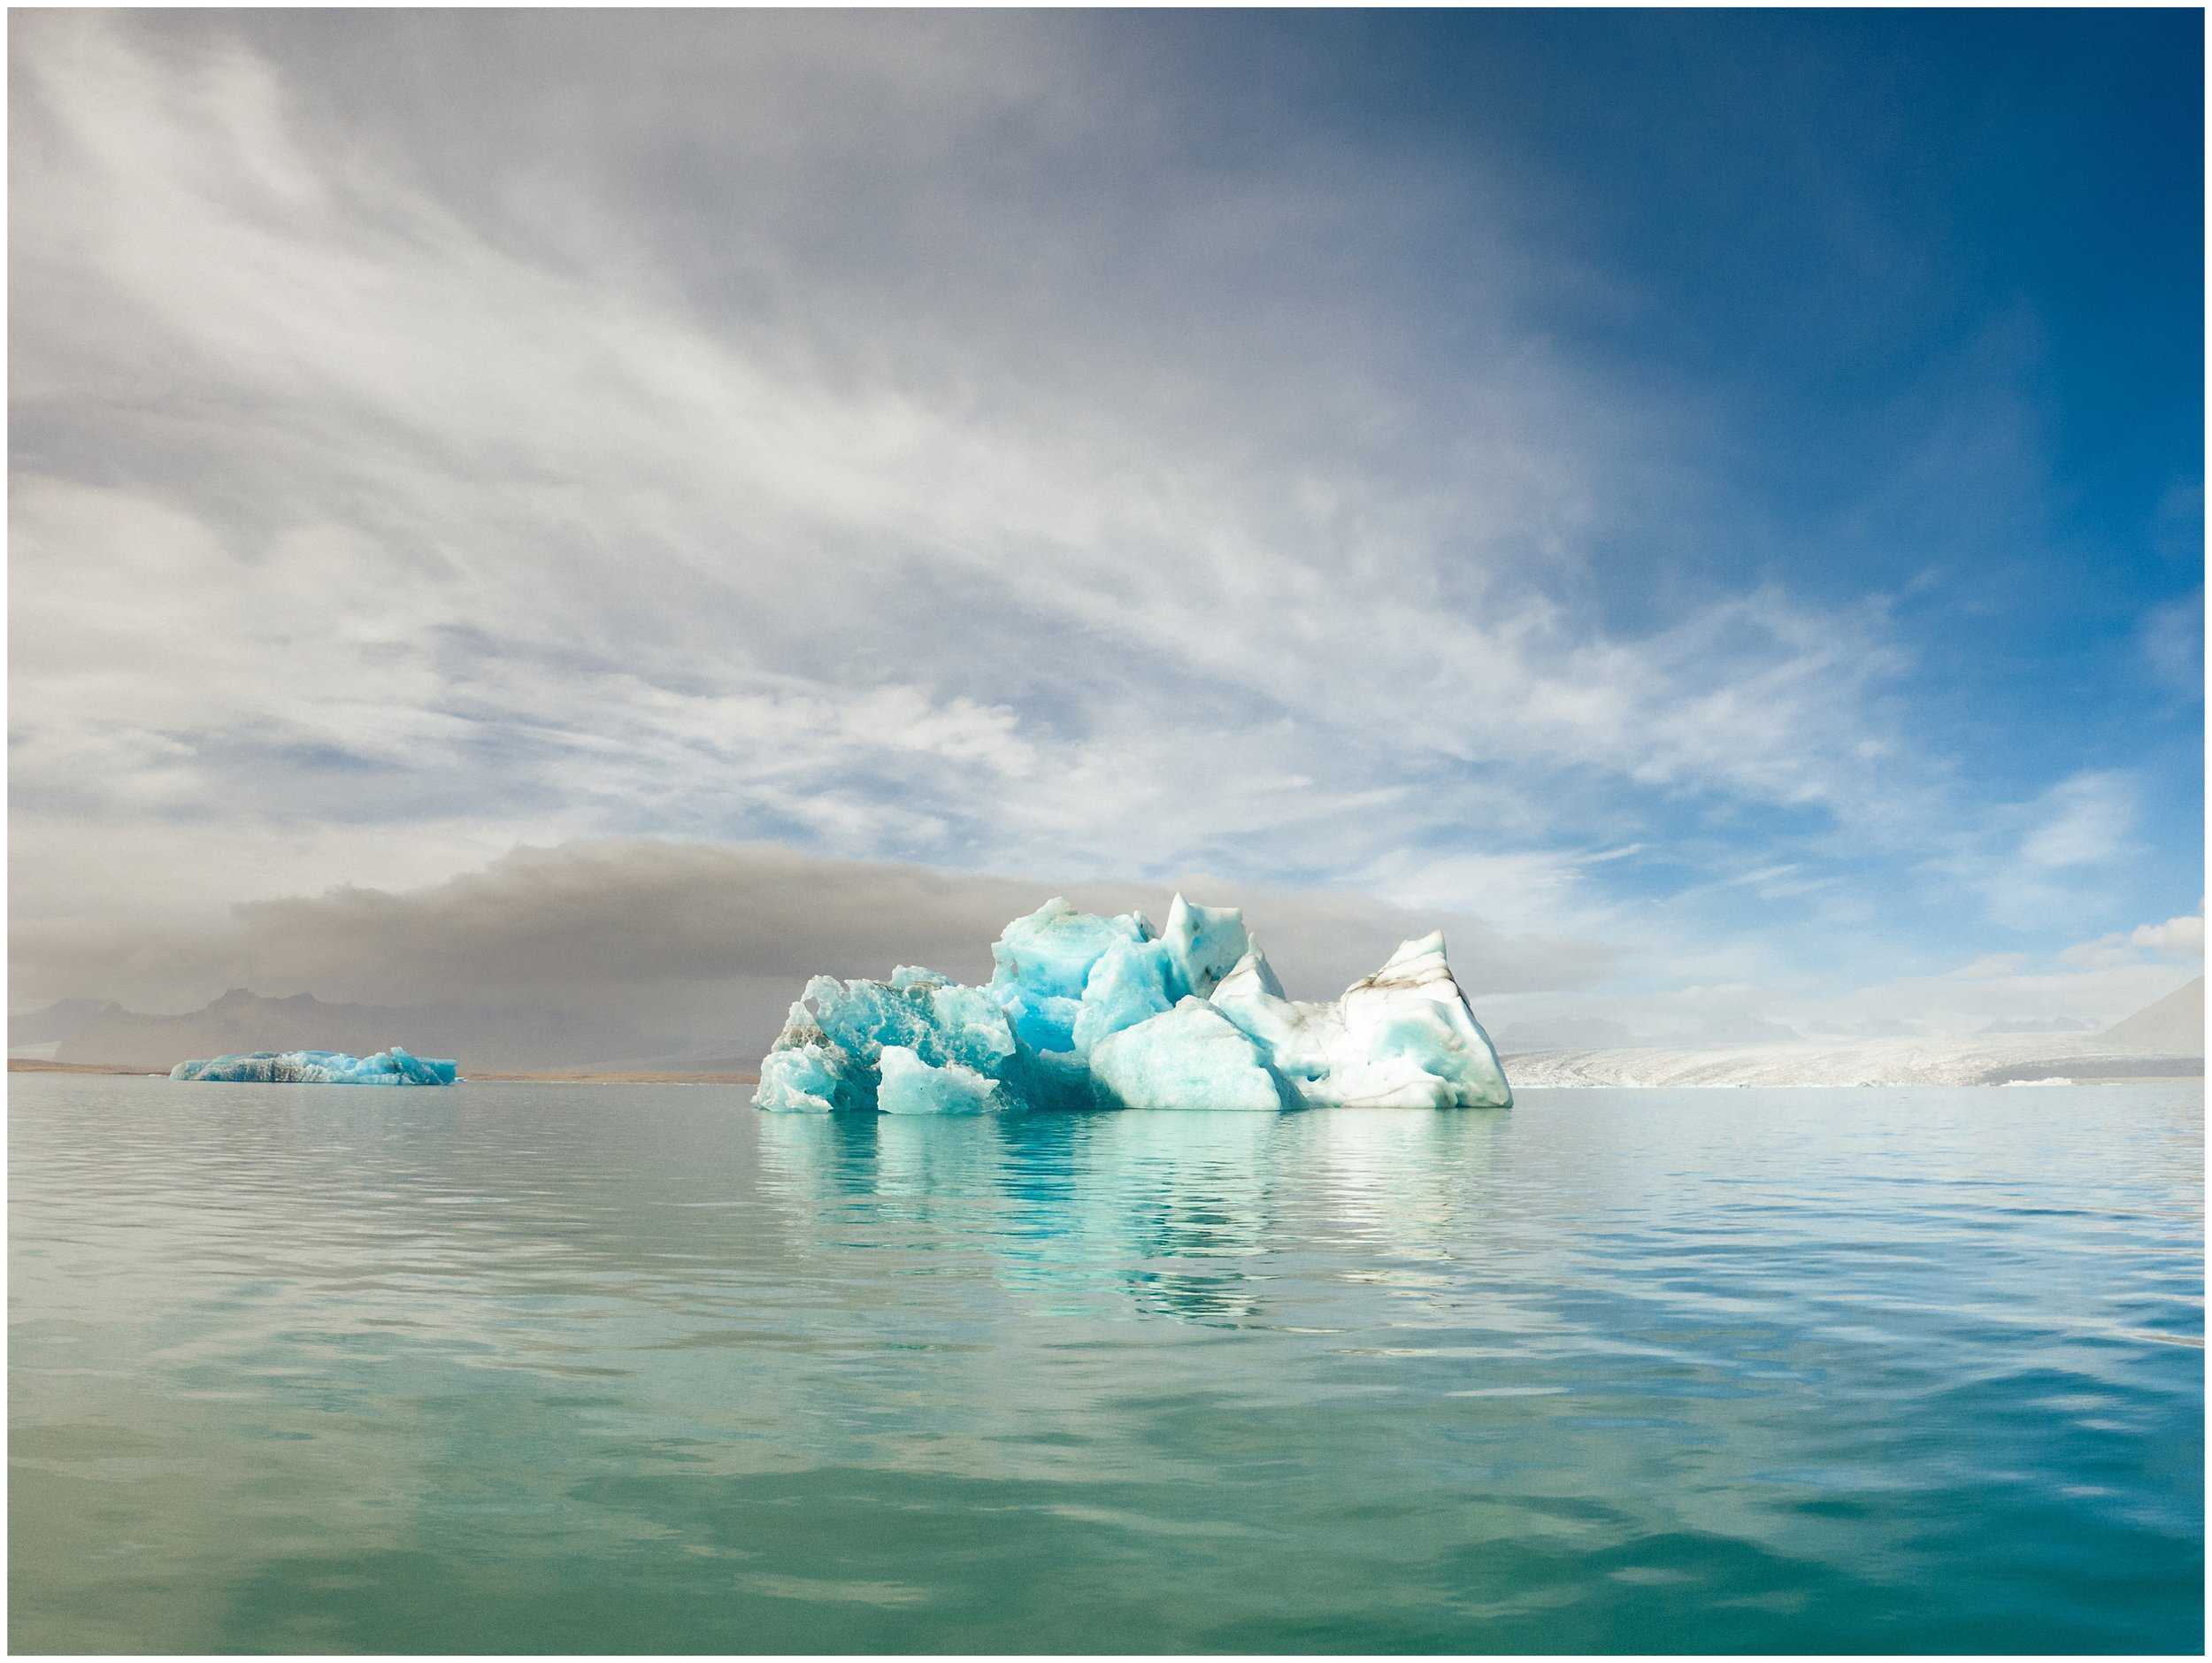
(1085, 1010)
(1185, 1058)
(910, 1085)
(1049, 954)
(1132, 981)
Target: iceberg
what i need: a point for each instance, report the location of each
(393, 1067)
(1090, 1011)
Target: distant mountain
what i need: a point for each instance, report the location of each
(59, 1022)
(2174, 1027)
(2049, 1025)
(90, 1030)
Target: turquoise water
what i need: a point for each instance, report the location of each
(632, 1368)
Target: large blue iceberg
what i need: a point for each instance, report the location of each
(393, 1067)
(1085, 1012)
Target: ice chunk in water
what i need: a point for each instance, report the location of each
(1084, 1010)
(393, 1067)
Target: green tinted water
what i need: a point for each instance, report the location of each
(632, 1368)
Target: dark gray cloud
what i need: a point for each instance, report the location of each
(700, 946)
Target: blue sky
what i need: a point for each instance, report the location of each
(1709, 503)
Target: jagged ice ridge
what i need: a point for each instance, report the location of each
(393, 1067)
(1087, 1012)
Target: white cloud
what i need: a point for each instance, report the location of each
(444, 506)
(2053, 862)
(2081, 822)
(2179, 937)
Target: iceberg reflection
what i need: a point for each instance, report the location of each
(1171, 1214)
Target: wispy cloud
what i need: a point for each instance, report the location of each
(2172, 636)
(448, 483)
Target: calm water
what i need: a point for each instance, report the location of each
(513, 1368)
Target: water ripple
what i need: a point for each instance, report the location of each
(581, 1368)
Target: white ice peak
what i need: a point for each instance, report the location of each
(1403, 1037)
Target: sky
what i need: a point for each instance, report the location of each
(584, 507)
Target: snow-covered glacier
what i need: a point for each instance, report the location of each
(393, 1067)
(1088, 1012)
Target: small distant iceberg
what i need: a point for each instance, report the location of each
(1086, 1012)
(393, 1067)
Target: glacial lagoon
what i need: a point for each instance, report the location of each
(515, 1367)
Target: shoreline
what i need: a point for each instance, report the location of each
(678, 1077)
(612, 1077)
(491, 1077)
